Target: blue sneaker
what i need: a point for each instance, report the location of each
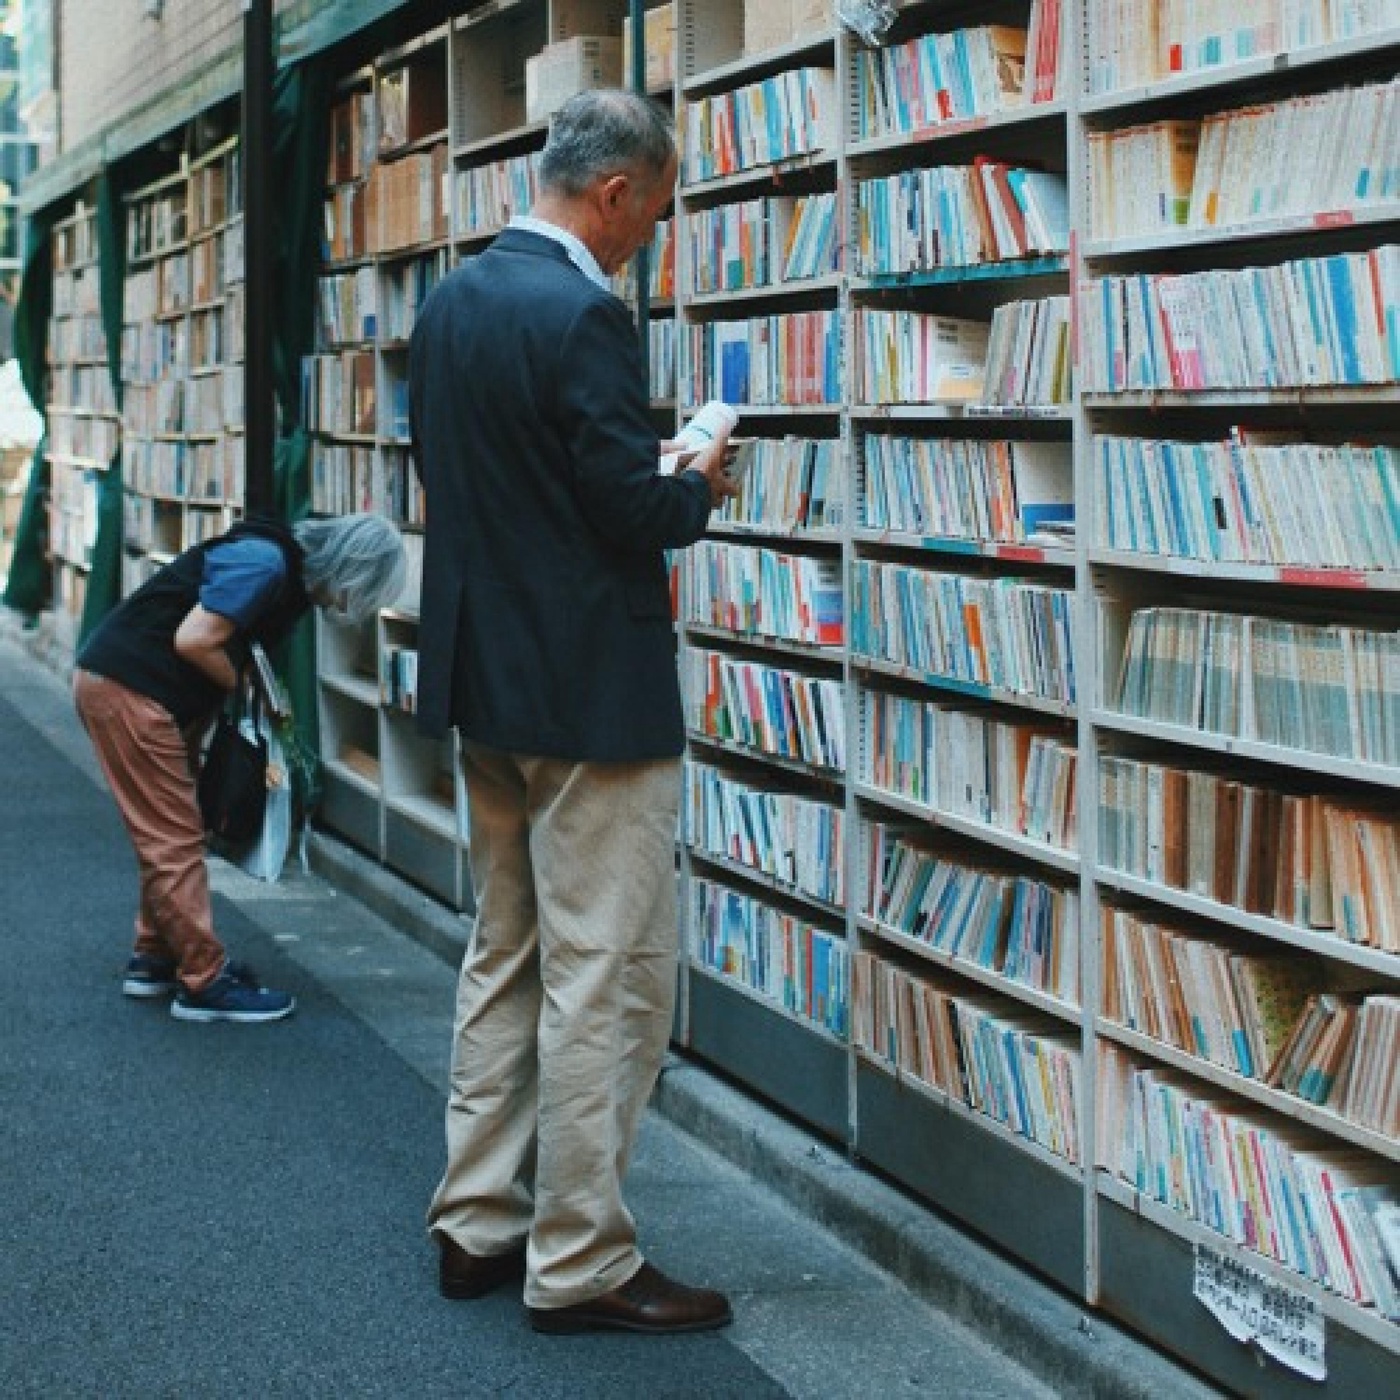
(234, 995)
(147, 976)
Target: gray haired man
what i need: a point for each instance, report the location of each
(546, 642)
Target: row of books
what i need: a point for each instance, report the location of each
(77, 293)
(1137, 43)
(209, 269)
(987, 1052)
(661, 267)
(663, 367)
(404, 287)
(1320, 862)
(935, 79)
(1005, 633)
(1232, 1008)
(1251, 499)
(216, 192)
(353, 138)
(347, 307)
(209, 471)
(1342, 1054)
(794, 113)
(487, 197)
(766, 708)
(93, 439)
(346, 478)
(791, 359)
(917, 357)
(86, 387)
(1017, 777)
(1310, 322)
(1270, 1018)
(762, 242)
(78, 337)
(1020, 359)
(1265, 1183)
(338, 391)
(1297, 685)
(398, 677)
(1370, 1094)
(344, 231)
(1022, 929)
(1241, 166)
(406, 201)
(958, 215)
(156, 224)
(216, 336)
(990, 491)
(73, 513)
(75, 242)
(790, 484)
(203, 404)
(1028, 354)
(760, 592)
(155, 350)
(795, 840)
(792, 962)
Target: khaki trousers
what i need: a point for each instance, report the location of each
(564, 1010)
(149, 764)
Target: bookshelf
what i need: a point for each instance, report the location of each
(182, 353)
(1218, 219)
(1024, 481)
(83, 425)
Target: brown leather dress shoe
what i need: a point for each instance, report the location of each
(647, 1302)
(463, 1275)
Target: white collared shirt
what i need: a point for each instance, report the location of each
(572, 245)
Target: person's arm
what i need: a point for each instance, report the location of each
(202, 639)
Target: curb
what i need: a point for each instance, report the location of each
(1071, 1349)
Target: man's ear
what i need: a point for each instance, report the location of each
(615, 191)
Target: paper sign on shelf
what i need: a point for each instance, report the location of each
(1285, 1323)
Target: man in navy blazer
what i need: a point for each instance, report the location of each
(546, 641)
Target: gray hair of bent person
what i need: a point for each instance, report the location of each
(602, 132)
(359, 559)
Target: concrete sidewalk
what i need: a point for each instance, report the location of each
(842, 1285)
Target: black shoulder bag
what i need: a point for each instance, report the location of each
(232, 784)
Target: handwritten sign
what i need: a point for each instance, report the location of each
(1285, 1323)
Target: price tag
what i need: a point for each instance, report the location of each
(1285, 1323)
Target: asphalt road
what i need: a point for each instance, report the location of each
(210, 1211)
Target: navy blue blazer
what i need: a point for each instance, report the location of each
(546, 618)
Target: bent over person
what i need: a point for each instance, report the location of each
(546, 639)
(147, 683)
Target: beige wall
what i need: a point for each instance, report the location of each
(114, 57)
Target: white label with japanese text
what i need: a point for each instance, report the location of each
(1287, 1324)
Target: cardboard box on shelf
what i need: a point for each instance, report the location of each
(659, 27)
(575, 19)
(560, 70)
(769, 24)
(810, 17)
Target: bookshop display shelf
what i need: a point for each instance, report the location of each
(182, 353)
(857, 453)
(1148, 1256)
(82, 426)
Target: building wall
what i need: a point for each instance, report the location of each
(114, 55)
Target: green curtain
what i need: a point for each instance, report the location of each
(104, 589)
(29, 588)
(302, 97)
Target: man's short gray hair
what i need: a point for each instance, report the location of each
(357, 560)
(601, 132)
